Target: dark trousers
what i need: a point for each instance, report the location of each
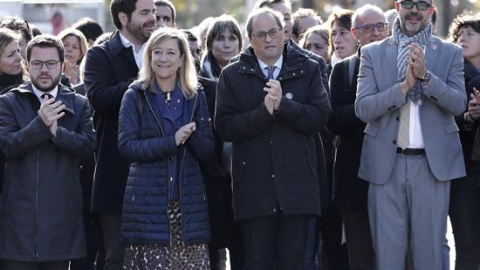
(275, 242)
(361, 255)
(95, 244)
(112, 234)
(53, 265)
(313, 239)
(465, 219)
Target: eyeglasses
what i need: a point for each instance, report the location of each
(273, 33)
(369, 28)
(50, 64)
(421, 5)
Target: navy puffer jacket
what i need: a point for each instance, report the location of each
(143, 143)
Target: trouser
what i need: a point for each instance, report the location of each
(359, 238)
(465, 219)
(112, 234)
(275, 242)
(410, 209)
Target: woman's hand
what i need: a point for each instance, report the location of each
(184, 133)
(71, 70)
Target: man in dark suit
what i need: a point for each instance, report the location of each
(270, 106)
(109, 69)
(369, 25)
(410, 87)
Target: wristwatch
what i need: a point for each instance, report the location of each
(426, 77)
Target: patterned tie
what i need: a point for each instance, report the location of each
(403, 137)
(270, 71)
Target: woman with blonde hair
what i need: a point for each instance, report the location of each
(315, 40)
(164, 131)
(76, 46)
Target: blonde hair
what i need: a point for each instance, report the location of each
(82, 40)
(186, 74)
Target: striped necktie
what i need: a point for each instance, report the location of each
(270, 71)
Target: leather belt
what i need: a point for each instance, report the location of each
(411, 151)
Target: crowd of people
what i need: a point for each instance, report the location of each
(295, 144)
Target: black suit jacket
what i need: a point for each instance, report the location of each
(349, 190)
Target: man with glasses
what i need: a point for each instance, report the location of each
(45, 129)
(368, 25)
(410, 87)
(270, 107)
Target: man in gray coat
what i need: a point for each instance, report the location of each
(410, 87)
(45, 129)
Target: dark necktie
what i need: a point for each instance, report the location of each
(270, 71)
(46, 95)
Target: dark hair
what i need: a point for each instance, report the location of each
(35, 31)
(463, 20)
(18, 25)
(344, 18)
(46, 41)
(167, 3)
(219, 25)
(190, 36)
(278, 18)
(89, 27)
(125, 6)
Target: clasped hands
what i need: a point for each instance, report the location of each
(274, 95)
(184, 133)
(50, 111)
(416, 67)
(473, 112)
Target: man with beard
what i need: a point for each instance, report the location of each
(410, 87)
(45, 129)
(109, 69)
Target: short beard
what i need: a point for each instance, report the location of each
(46, 90)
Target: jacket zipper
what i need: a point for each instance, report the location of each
(183, 163)
(35, 255)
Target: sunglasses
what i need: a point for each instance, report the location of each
(421, 5)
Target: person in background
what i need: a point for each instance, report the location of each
(90, 28)
(165, 15)
(465, 193)
(110, 67)
(224, 41)
(194, 48)
(76, 46)
(164, 123)
(410, 87)
(272, 117)
(350, 192)
(391, 15)
(303, 19)
(342, 42)
(20, 26)
(12, 71)
(45, 130)
(315, 40)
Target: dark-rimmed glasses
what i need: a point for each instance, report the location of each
(369, 28)
(421, 5)
(273, 33)
(50, 64)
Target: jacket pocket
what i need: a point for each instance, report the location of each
(371, 130)
(451, 128)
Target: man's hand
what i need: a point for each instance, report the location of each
(410, 79)
(184, 133)
(274, 95)
(417, 60)
(50, 111)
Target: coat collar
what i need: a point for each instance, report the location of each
(292, 60)
(65, 94)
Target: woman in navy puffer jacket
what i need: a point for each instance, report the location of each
(164, 130)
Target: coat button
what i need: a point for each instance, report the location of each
(394, 142)
(273, 175)
(274, 210)
(244, 163)
(294, 74)
(398, 118)
(171, 179)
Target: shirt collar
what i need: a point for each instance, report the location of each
(277, 64)
(126, 43)
(38, 93)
